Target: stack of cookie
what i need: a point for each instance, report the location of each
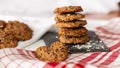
(72, 30)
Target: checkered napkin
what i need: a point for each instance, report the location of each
(110, 34)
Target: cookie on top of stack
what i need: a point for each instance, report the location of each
(72, 30)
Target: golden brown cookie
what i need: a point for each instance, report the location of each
(20, 30)
(68, 9)
(68, 17)
(71, 24)
(77, 32)
(74, 40)
(7, 40)
(56, 52)
(2, 24)
(42, 53)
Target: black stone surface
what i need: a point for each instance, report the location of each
(94, 45)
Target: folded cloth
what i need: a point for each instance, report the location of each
(110, 34)
(38, 25)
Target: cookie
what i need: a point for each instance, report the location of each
(77, 32)
(56, 52)
(71, 24)
(2, 24)
(68, 9)
(20, 30)
(42, 53)
(68, 17)
(74, 40)
(7, 40)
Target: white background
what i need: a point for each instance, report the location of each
(44, 8)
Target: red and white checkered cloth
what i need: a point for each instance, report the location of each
(110, 34)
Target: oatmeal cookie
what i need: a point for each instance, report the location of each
(2, 24)
(68, 17)
(71, 24)
(74, 40)
(7, 40)
(77, 32)
(68, 9)
(56, 52)
(20, 30)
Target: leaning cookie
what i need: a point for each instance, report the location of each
(77, 32)
(20, 30)
(68, 9)
(71, 24)
(2, 24)
(7, 40)
(42, 53)
(74, 40)
(60, 50)
(56, 52)
(68, 17)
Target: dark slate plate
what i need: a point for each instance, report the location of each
(94, 45)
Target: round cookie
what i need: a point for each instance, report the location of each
(2, 24)
(56, 52)
(68, 9)
(7, 40)
(42, 53)
(60, 50)
(74, 40)
(20, 30)
(71, 24)
(77, 32)
(68, 17)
